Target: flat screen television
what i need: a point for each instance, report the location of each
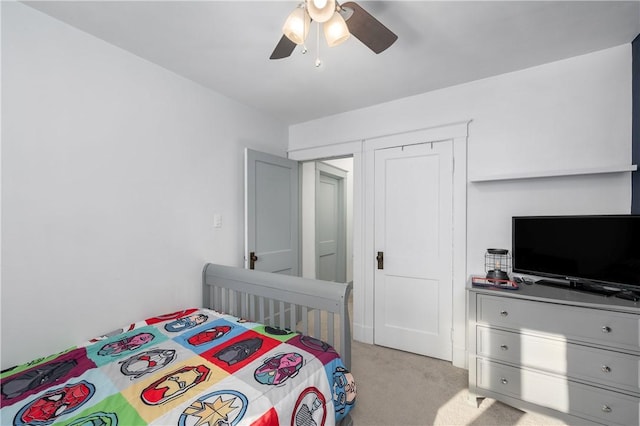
(585, 252)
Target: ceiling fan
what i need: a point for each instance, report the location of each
(339, 21)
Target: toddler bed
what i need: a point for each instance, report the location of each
(262, 351)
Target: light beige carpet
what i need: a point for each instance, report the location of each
(397, 388)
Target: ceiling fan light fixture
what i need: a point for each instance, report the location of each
(296, 27)
(335, 30)
(340, 22)
(321, 10)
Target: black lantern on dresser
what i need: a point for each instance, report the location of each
(497, 264)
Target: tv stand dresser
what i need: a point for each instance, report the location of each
(571, 355)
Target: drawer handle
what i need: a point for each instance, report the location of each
(606, 409)
(504, 347)
(504, 313)
(606, 329)
(606, 369)
(505, 381)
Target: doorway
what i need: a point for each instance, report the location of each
(311, 237)
(327, 219)
(364, 253)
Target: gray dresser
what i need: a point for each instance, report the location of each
(568, 354)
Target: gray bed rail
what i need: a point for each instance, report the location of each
(313, 307)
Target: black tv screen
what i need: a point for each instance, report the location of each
(579, 249)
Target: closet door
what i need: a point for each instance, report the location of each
(414, 240)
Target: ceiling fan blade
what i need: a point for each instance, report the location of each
(371, 32)
(283, 49)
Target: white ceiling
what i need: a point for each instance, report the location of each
(225, 45)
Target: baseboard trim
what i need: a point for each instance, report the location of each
(362, 333)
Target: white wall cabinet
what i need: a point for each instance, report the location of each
(570, 355)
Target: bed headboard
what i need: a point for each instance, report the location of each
(313, 307)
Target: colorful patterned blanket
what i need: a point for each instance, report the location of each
(191, 368)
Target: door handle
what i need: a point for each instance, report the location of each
(252, 260)
(380, 259)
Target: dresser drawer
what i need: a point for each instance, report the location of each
(558, 393)
(568, 322)
(604, 367)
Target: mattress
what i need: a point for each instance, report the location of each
(194, 367)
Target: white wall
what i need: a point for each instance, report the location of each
(112, 170)
(570, 114)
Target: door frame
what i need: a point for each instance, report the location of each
(363, 224)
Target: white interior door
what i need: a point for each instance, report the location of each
(330, 223)
(413, 231)
(271, 213)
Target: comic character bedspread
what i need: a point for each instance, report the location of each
(194, 367)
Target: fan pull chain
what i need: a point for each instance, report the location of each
(304, 28)
(318, 61)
